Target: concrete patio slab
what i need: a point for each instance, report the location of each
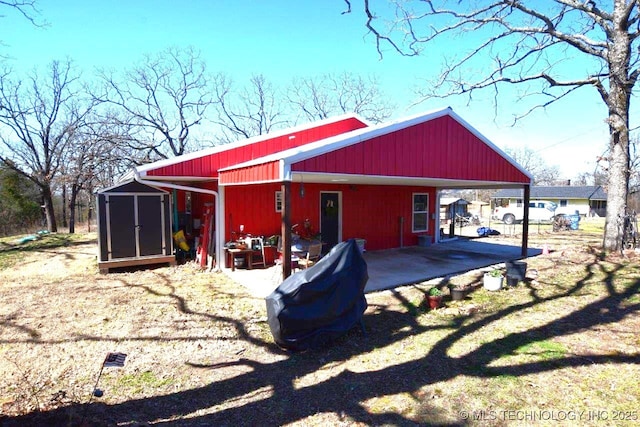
(405, 266)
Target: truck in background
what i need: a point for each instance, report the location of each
(539, 210)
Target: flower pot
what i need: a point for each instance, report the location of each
(492, 283)
(434, 301)
(458, 294)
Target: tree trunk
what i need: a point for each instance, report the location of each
(72, 209)
(89, 206)
(64, 206)
(49, 213)
(619, 101)
(617, 189)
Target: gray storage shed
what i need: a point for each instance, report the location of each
(134, 226)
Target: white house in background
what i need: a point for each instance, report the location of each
(480, 208)
(590, 200)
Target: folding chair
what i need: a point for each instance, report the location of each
(256, 244)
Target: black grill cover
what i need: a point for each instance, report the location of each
(318, 304)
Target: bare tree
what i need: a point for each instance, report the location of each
(253, 110)
(531, 43)
(40, 116)
(160, 101)
(330, 94)
(543, 174)
(112, 154)
(97, 157)
(81, 161)
(597, 177)
(27, 8)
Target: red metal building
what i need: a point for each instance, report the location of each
(349, 178)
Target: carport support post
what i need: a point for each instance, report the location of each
(285, 231)
(525, 221)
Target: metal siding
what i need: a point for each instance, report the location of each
(461, 147)
(369, 212)
(413, 158)
(441, 148)
(375, 159)
(341, 161)
(257, 173)
(473, 152)
(330, 162)
(254, 207)
(443, 145)
(387, 150)
(373, 212)
(321, 162)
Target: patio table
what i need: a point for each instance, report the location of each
(246, 253)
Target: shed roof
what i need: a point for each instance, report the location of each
(589, 192)
(130, 186)
(445, 201)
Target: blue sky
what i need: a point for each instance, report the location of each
(284, 39)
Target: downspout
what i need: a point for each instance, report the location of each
(219, 233)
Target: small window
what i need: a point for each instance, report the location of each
(278, 201)
(519, 203)
(563, 203)
(420, 220)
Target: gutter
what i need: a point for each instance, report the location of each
(218, 234)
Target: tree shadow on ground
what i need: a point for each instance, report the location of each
(284, 401)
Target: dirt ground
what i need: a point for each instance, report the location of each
(199, 349)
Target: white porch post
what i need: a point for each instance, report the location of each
(220, 227)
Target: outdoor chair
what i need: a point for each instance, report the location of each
(258, 258)
(313, 255)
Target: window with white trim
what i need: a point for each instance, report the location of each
(420, 217)
(278, 201)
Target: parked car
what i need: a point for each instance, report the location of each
(539, 210)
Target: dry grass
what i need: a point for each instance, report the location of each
(200, 351)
